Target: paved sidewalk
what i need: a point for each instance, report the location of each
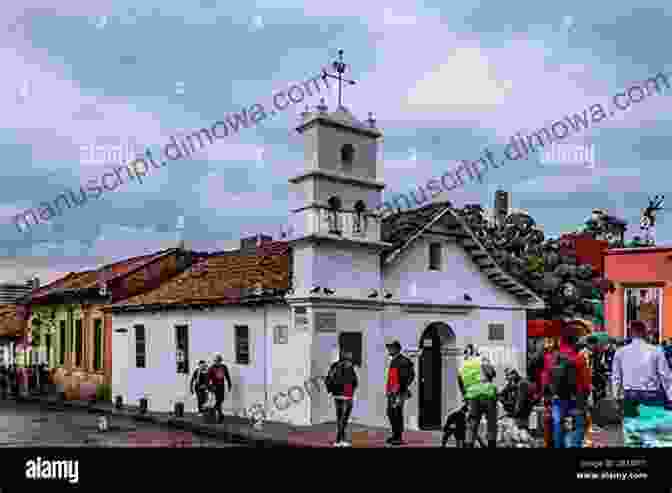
(239, 430)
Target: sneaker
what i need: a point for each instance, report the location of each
(389, 440)
(397, 443)
(346, 444)
(337, 444)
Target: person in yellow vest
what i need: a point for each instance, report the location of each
(476, 379)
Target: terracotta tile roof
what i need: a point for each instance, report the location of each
(90, 278)
(10, 324)
(222, 278)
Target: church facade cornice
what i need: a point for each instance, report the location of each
(339, 178)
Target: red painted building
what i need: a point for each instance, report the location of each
(642, 280)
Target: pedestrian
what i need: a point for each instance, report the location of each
(642, 378)
(218, 377)
(14, 381)
(476, 379)
(456, 425)
(199, 385)
(341, 383)
(566, 382)
(4, 381)
(44, 378)
(399, 378)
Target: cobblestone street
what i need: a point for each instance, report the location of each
(29, 425)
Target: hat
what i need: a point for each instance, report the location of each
(201, 362)
(394, 344)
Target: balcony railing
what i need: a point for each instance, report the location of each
(346, 224)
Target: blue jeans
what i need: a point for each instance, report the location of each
(562, 409)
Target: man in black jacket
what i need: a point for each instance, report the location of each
(341, 384)
(199, 385)
(400, 376)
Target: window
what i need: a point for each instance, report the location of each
(97, 344)
(334, 218)
(62, 342)
(360, 220)
(645, 304)
(182, 347)
(242, 345)
(496, 332)
(347, 157)
(435, 256)
(351, 342)
(140, 346)
(78, 343)
(47, 340)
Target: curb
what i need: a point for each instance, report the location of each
(253, 438)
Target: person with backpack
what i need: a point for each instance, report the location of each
(218, 374)
(566, 385)
(199, 385)
(476, 380)
(341, 383)
(400, 376)
(642, 379)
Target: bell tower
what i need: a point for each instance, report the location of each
(335, 195)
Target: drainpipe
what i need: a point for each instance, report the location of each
(266, 365)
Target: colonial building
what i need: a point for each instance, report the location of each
(641, 290)
(346, 278)
(11, 328)
(67, 329)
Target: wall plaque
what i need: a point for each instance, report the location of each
(301, 318)
(281, 335)
(325, 322)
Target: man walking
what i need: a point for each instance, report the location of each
(199, 385)
(642, 378)
(566, 382)
(4, 382)
(341, 383)
(217, 375)
(476, 379)
(399, 378)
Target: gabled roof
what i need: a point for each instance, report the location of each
(403, 228)
(88, 279)
(221, 278)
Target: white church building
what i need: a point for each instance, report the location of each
(279, 310)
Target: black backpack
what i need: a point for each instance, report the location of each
(563, 376)
(339, 374)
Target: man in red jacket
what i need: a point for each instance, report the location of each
(217, 374)
(573, 402)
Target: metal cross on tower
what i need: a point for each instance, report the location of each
(339, 67)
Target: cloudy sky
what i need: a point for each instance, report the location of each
(445, 81)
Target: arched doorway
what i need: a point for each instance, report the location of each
(437, 336)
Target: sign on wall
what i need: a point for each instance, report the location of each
(301, 318)
(280, 335)
(325, 322)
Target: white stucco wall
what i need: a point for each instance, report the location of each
(351, 272)
(459, 275)
(209, 332)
